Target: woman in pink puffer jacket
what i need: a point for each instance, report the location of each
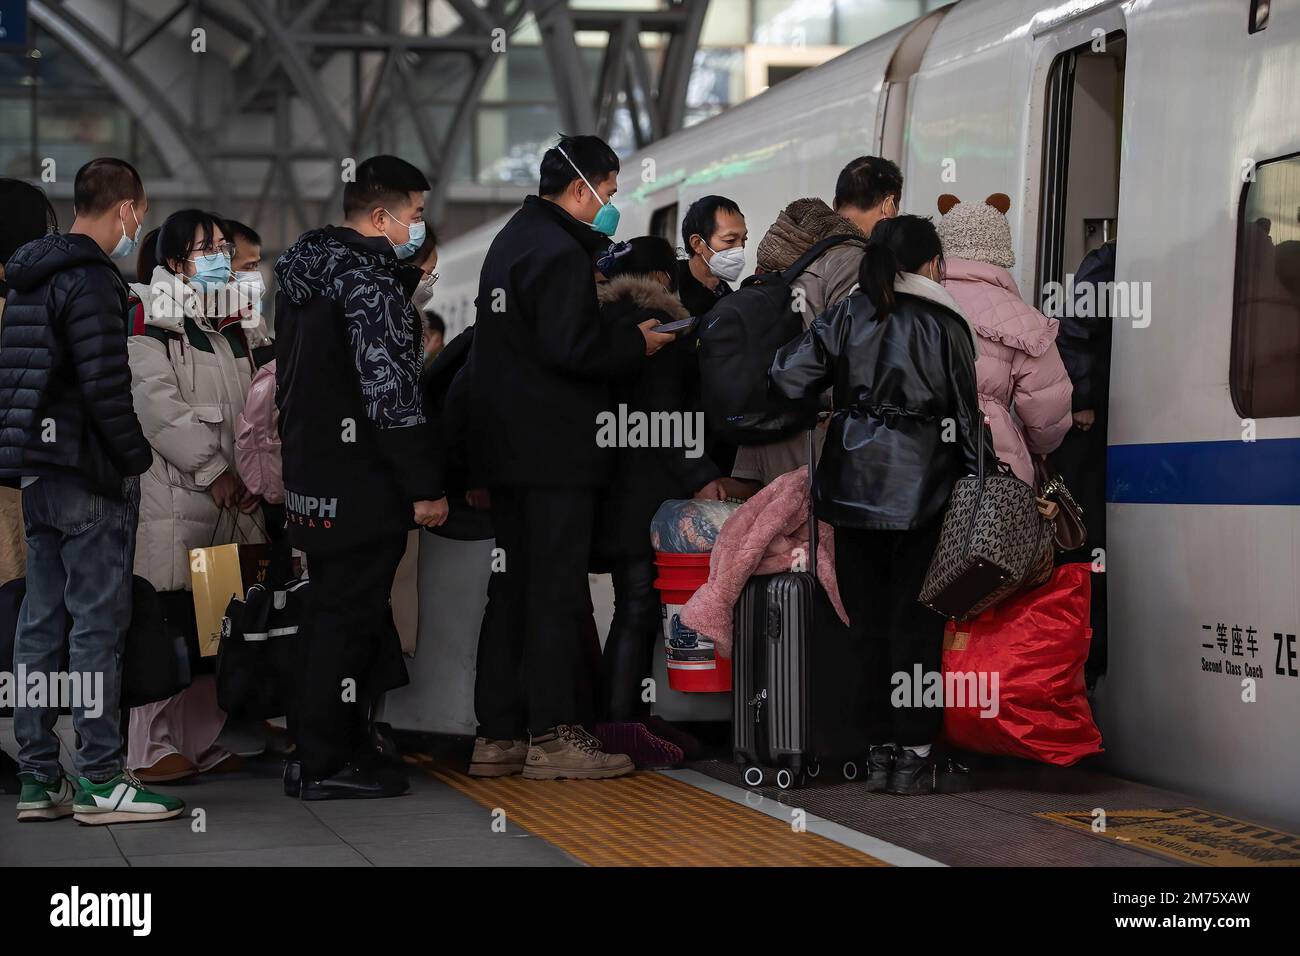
(1018, 368)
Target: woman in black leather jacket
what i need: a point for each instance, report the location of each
(901, 360)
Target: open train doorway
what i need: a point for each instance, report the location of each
(1079, 220)
(1081, 157)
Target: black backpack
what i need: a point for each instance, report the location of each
(739, 338)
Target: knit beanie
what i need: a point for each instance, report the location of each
(977, 231)
(799, 227)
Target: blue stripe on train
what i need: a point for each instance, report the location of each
(1263, 472)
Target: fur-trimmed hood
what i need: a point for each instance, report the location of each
(644, 292)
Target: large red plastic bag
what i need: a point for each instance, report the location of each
(1031, 649)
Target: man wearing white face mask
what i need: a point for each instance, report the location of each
(715, 234)
(250, 287)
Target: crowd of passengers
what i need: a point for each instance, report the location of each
(140, 421)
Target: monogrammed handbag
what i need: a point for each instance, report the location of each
(992, 534)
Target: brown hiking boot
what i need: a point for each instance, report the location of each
(572, 753)
(497, 758)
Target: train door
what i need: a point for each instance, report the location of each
(1083, 117)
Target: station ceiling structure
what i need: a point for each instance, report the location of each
(260, 102)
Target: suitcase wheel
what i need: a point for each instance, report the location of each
(784, 779)
(813, 769)
(850, 770)
(754, 776)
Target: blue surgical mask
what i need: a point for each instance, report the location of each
(414, 237)
(126, 246)
(211, 271)
(606, 220)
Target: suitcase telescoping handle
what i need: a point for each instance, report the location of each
(812, 513)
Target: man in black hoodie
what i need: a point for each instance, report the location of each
(540, 373)
(361, 465)
(69, 435)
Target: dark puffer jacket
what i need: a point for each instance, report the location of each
(356, 446)
(898, 384)
(65, 385)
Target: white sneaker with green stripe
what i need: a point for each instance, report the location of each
(122, 800)
(44, 801)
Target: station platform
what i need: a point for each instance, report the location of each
(701, 815)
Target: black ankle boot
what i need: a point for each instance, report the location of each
(880, 763)
(912, 774)
(357, 781)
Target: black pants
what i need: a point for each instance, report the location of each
(879, 574)
(531, 652)
(348, 636)
(629, 648)
(1081, 460)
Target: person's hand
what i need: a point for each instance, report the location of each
(430, 514)
(654, 341)
(249, 502)
(225, 490)
(1083, 420)
(479, 499)
(713, 491)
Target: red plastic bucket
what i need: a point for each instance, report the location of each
(693, 664)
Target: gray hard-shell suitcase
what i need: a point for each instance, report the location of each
(798, 700)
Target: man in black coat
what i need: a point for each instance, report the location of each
(1084, 342)
(70, 437)
(540, 374)
(362, 465)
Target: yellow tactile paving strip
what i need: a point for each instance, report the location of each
(1192, 835)
(647, 819)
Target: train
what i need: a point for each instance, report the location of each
(1172, 126)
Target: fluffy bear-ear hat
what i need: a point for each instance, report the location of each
(977, 231)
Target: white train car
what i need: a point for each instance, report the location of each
(1175, 123)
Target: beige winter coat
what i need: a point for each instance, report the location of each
(188, 386)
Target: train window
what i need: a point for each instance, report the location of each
(1265, 365)
(663, 223)
(1258, 15)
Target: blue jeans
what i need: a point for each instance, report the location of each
(80, 552)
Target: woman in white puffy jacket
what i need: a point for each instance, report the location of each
(190, 372)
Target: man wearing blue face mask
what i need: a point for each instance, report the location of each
(362, 464)
(540, 374)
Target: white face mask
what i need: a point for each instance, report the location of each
(251, 287)
(727, 264)
(423, 293)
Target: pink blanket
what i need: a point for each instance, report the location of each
(767, 535)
